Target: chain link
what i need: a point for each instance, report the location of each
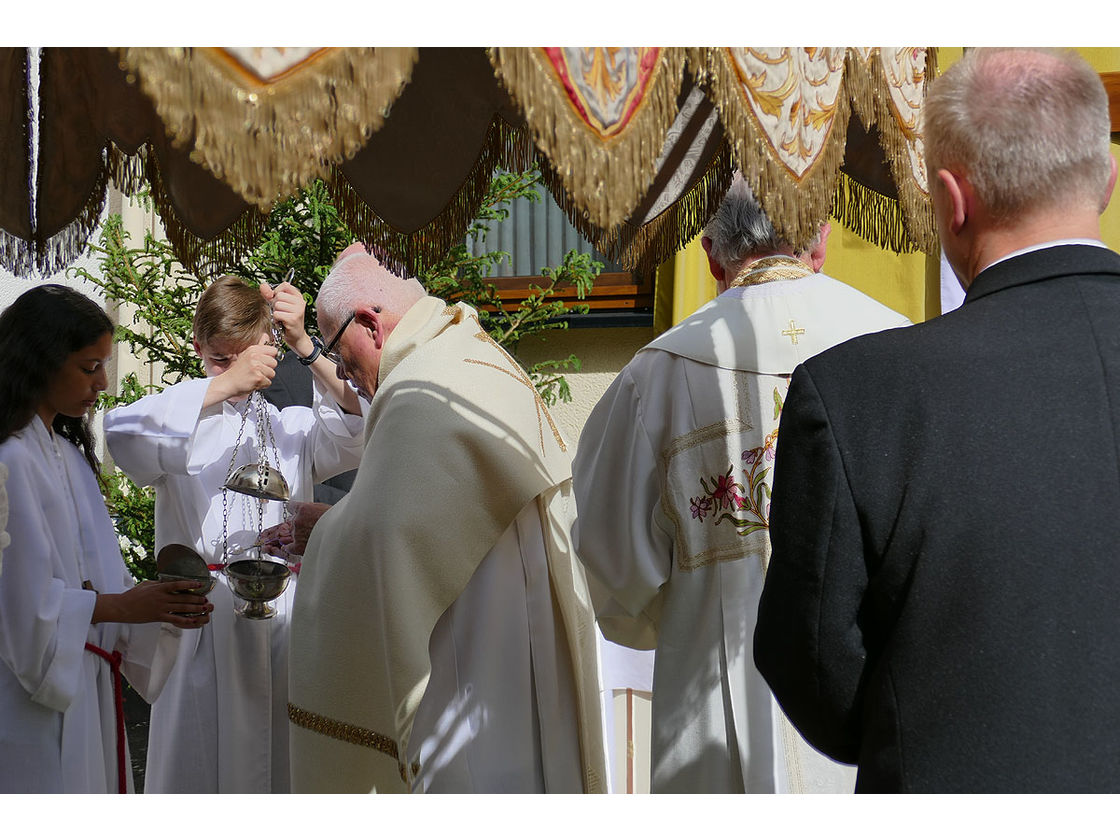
(277, 329)
(256, 405)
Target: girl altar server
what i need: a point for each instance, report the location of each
(71, 619)
(221, 724)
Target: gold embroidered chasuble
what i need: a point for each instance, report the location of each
(457, 443)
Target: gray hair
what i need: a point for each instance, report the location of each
(740, 229)
(1029, 128)
(358, 279)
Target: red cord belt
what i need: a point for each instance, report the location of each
(114, 660)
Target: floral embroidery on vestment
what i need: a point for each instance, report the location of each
(745, 504)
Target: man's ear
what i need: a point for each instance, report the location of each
(1111, 184)
(960, 198)
(713, 266)
(369, 318)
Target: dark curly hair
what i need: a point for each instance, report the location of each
(38, 332)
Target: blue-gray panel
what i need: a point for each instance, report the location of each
(536, 234)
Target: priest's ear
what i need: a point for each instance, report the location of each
(713, 265)
(819, 247)
(369, 318)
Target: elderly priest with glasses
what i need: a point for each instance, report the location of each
(442, 636)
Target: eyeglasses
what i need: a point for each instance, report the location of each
(329, 351)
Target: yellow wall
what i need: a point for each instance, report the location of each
(1107, 60)
(896, 280)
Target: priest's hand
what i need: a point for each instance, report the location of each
(288, 308)
(289, 538)
(153, 601)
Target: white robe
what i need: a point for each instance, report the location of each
(4, 538)
(221, 725)
(698, 405)
(479, 727)
(58, 728)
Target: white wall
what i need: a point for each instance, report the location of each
(603, 352)
(12, 287)
(137, 221)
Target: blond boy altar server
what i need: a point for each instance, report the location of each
(442, 636)
(220, 725)
(672, 482)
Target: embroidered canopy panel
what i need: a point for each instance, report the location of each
(637, 144)
(786, 112)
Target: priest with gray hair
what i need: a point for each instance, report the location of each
(672, 482)
(442, 635)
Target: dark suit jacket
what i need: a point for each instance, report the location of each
(942, 605)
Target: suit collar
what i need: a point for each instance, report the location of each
(1047, 264)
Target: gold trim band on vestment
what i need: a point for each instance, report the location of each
(770, 268)
(351, 734)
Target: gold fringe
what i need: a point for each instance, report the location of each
(872, 216)
(861, 90)
(913, 201)
(643, 249)
(203, 257)
(266, 141)
(796, 206)
(410, 254)
(604, 180)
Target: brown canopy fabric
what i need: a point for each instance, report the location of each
(636, 144)
(94, 126)
(15, 174)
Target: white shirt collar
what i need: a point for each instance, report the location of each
(1041, 245)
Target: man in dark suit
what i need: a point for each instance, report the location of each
(942, 605)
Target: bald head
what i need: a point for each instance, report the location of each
(1028, 128)
(359, 279)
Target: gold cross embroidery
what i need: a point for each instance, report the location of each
(793, 332)
(518, 374)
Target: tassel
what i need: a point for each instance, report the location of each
(55, 253)
(202, 257)
(796, 205)
(17, 256)
(913, 206)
